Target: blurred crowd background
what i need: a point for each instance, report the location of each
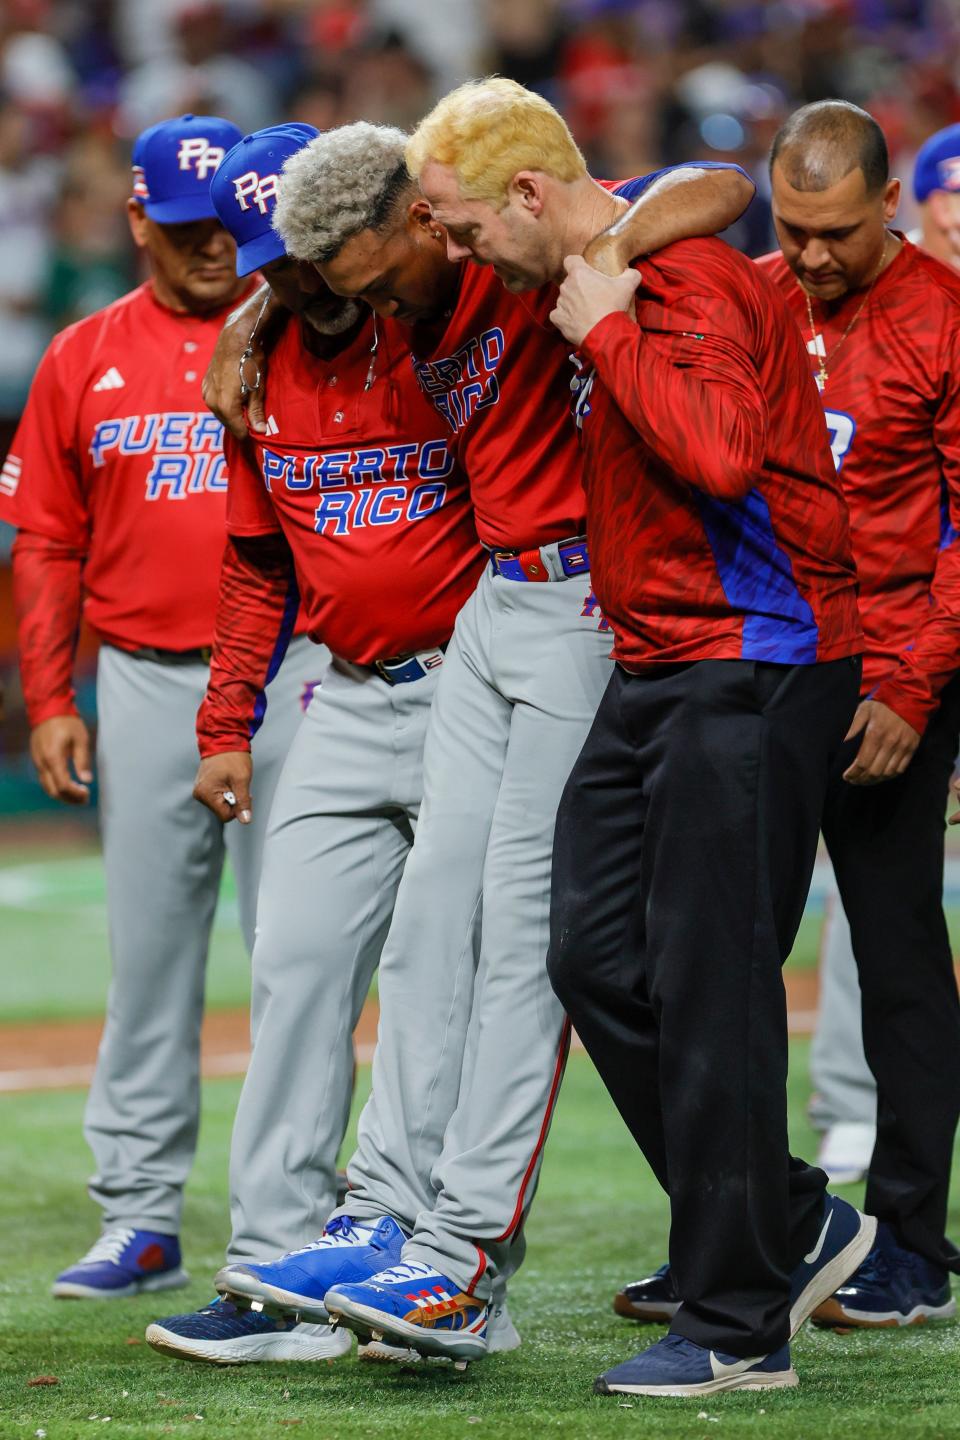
(642, 82)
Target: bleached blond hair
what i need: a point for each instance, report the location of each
(346, 180)
(488, 130)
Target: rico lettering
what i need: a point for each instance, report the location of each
(381, 485)
(185, 448)
(464, 383)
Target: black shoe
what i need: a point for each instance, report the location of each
(652, 1301)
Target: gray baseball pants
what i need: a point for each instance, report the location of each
(339, 834)
(470, 1053)
(844, 1088)
(163, 856)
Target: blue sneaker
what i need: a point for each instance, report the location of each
(892, 1287)
(652, 1300)
(348, 1250)
(675, 1366)
(414, 1304)
(223, 1334)
(844, 1242)
(123, 1263)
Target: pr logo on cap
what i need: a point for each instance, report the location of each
(949, 173)
(196, 153)
(174, 162)
(244, 190)
(256, 189)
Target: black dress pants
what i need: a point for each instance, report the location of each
(886, 844)
(685, 842)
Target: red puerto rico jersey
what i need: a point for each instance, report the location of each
(892, 406)
(116, 455)
(499, 377)
(717, 528)
(364, 486)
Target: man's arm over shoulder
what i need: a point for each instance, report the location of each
(233, 384)
(678, 203)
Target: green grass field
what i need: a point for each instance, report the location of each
(54, 960)
(53, 921)
(599, 1219)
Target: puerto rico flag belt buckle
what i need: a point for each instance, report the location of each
(402, 669)
(559, 561)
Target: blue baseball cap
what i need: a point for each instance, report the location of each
(244, 191)
(937, 165)
(174, 162)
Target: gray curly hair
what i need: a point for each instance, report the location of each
(346, 180)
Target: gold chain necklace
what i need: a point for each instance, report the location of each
(822, 377)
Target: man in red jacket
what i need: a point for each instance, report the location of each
(882, 324)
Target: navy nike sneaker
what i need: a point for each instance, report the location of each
(676, 1366)
(844, 1241)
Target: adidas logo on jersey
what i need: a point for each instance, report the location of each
(10, 475)
(272, 427)
(112, 380)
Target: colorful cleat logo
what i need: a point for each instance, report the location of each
(449, 1312)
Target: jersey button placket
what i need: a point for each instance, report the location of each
(189, 347)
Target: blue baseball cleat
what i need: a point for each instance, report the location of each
(348, 1250)
(223, 1334)
(892, 1287)
(413, 1304)
(844, 1241)
(123, 1263)
(675, 1366)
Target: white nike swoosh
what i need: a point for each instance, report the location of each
(720, 1369)
(814, 1255)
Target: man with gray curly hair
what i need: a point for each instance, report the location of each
(348, 203)
(353, 181)
(471, 1050)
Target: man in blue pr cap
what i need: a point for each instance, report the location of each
(243, 193)
(936, 189)
(382, 583)
(172, 216)
(120, 515)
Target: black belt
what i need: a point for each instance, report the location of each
(200, 656)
